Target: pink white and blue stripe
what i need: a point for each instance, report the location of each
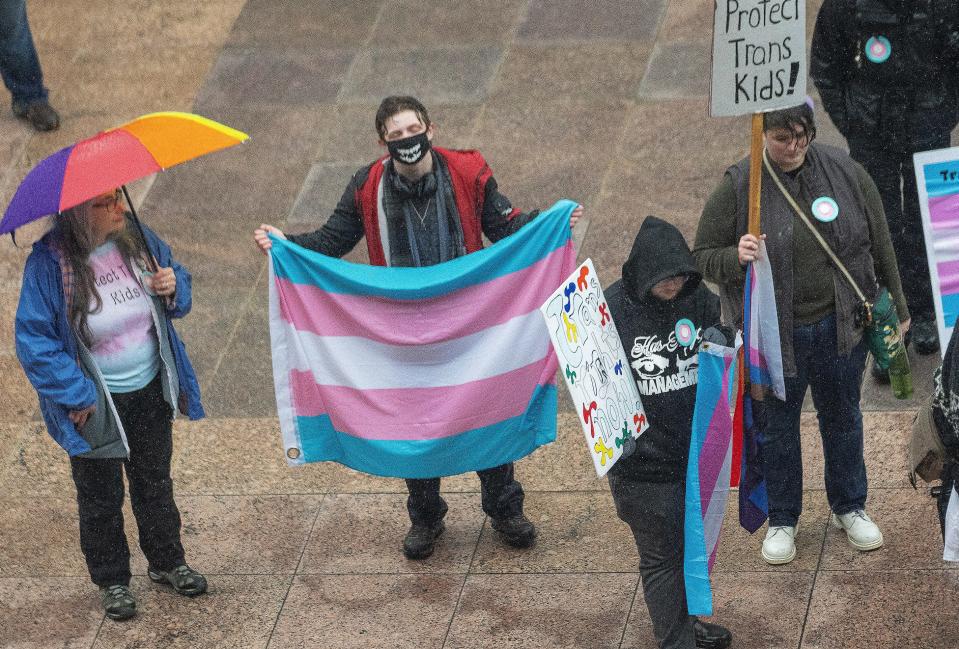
(708, 471)
(942, 192)
(419, 372)
(763, 345)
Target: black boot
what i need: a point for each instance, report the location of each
(184, 580)
(118, 602)
(711, 636)
(925, 336)
(39, 114)
(517, 531)
(421, 539)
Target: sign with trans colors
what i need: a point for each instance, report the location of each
(937, 178)
(759, 56)
(592, 360)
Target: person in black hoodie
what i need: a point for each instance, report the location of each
(659, 297)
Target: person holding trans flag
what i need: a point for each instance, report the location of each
(821, 335)
(661, 308)
(417, 206)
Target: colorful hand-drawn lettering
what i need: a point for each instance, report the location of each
(604, 314)
(594, 365)
(588, 417)
(625, 434)
(570, 289)
(571, 329)
(603, 451)
(639, 420)
(570, 351)
(581, 283)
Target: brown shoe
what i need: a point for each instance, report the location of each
(40, 114)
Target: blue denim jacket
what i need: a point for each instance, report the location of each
(48, 348)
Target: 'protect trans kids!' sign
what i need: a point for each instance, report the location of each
(759, 56)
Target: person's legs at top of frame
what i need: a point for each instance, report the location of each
(20, 68)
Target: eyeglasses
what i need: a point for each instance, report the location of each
(108, 203)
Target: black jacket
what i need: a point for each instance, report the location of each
(665, 370)
(915, 89)
(945, 397)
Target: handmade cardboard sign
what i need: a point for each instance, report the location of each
(595, 367)
(759, 56)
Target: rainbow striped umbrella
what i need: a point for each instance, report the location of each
(112, 159)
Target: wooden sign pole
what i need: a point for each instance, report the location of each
(755, 173)
(755, 187)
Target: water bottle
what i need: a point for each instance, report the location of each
(900, 378)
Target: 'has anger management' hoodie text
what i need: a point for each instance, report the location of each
(661, 340)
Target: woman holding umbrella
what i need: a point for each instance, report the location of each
(94, 336)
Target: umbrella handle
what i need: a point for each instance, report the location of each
(146, 246)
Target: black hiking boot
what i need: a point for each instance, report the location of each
(925, 337)
(184, 580)
(711, 636)
(517, 531)
(421, 539)
(39, 114)
(118, 602)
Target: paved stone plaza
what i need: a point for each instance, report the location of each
(604, 102)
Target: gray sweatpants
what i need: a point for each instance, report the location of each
(654, 512)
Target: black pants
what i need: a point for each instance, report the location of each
(889, 161)
(655, 512)
(146, 419)
(502, 496)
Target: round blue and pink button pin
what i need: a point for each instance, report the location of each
(825, 209)
(878, 49)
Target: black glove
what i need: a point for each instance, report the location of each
(722, 335)
(629, 447)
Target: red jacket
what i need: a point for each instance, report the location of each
(469, 174)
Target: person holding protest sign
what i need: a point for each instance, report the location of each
(421, 205)
(661, 296)
(888, 74)
(821, 336)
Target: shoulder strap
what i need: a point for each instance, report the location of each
(812, 228)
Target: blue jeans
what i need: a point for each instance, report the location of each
(19, 64)
(835, 383)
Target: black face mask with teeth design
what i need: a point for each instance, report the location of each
(409, 150)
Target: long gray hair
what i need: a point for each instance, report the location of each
(74, 233)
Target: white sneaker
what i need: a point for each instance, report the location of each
(780, 544)
(861, 532)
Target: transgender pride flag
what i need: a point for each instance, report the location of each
(708, 471)
(419, 372)
(761, 326)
